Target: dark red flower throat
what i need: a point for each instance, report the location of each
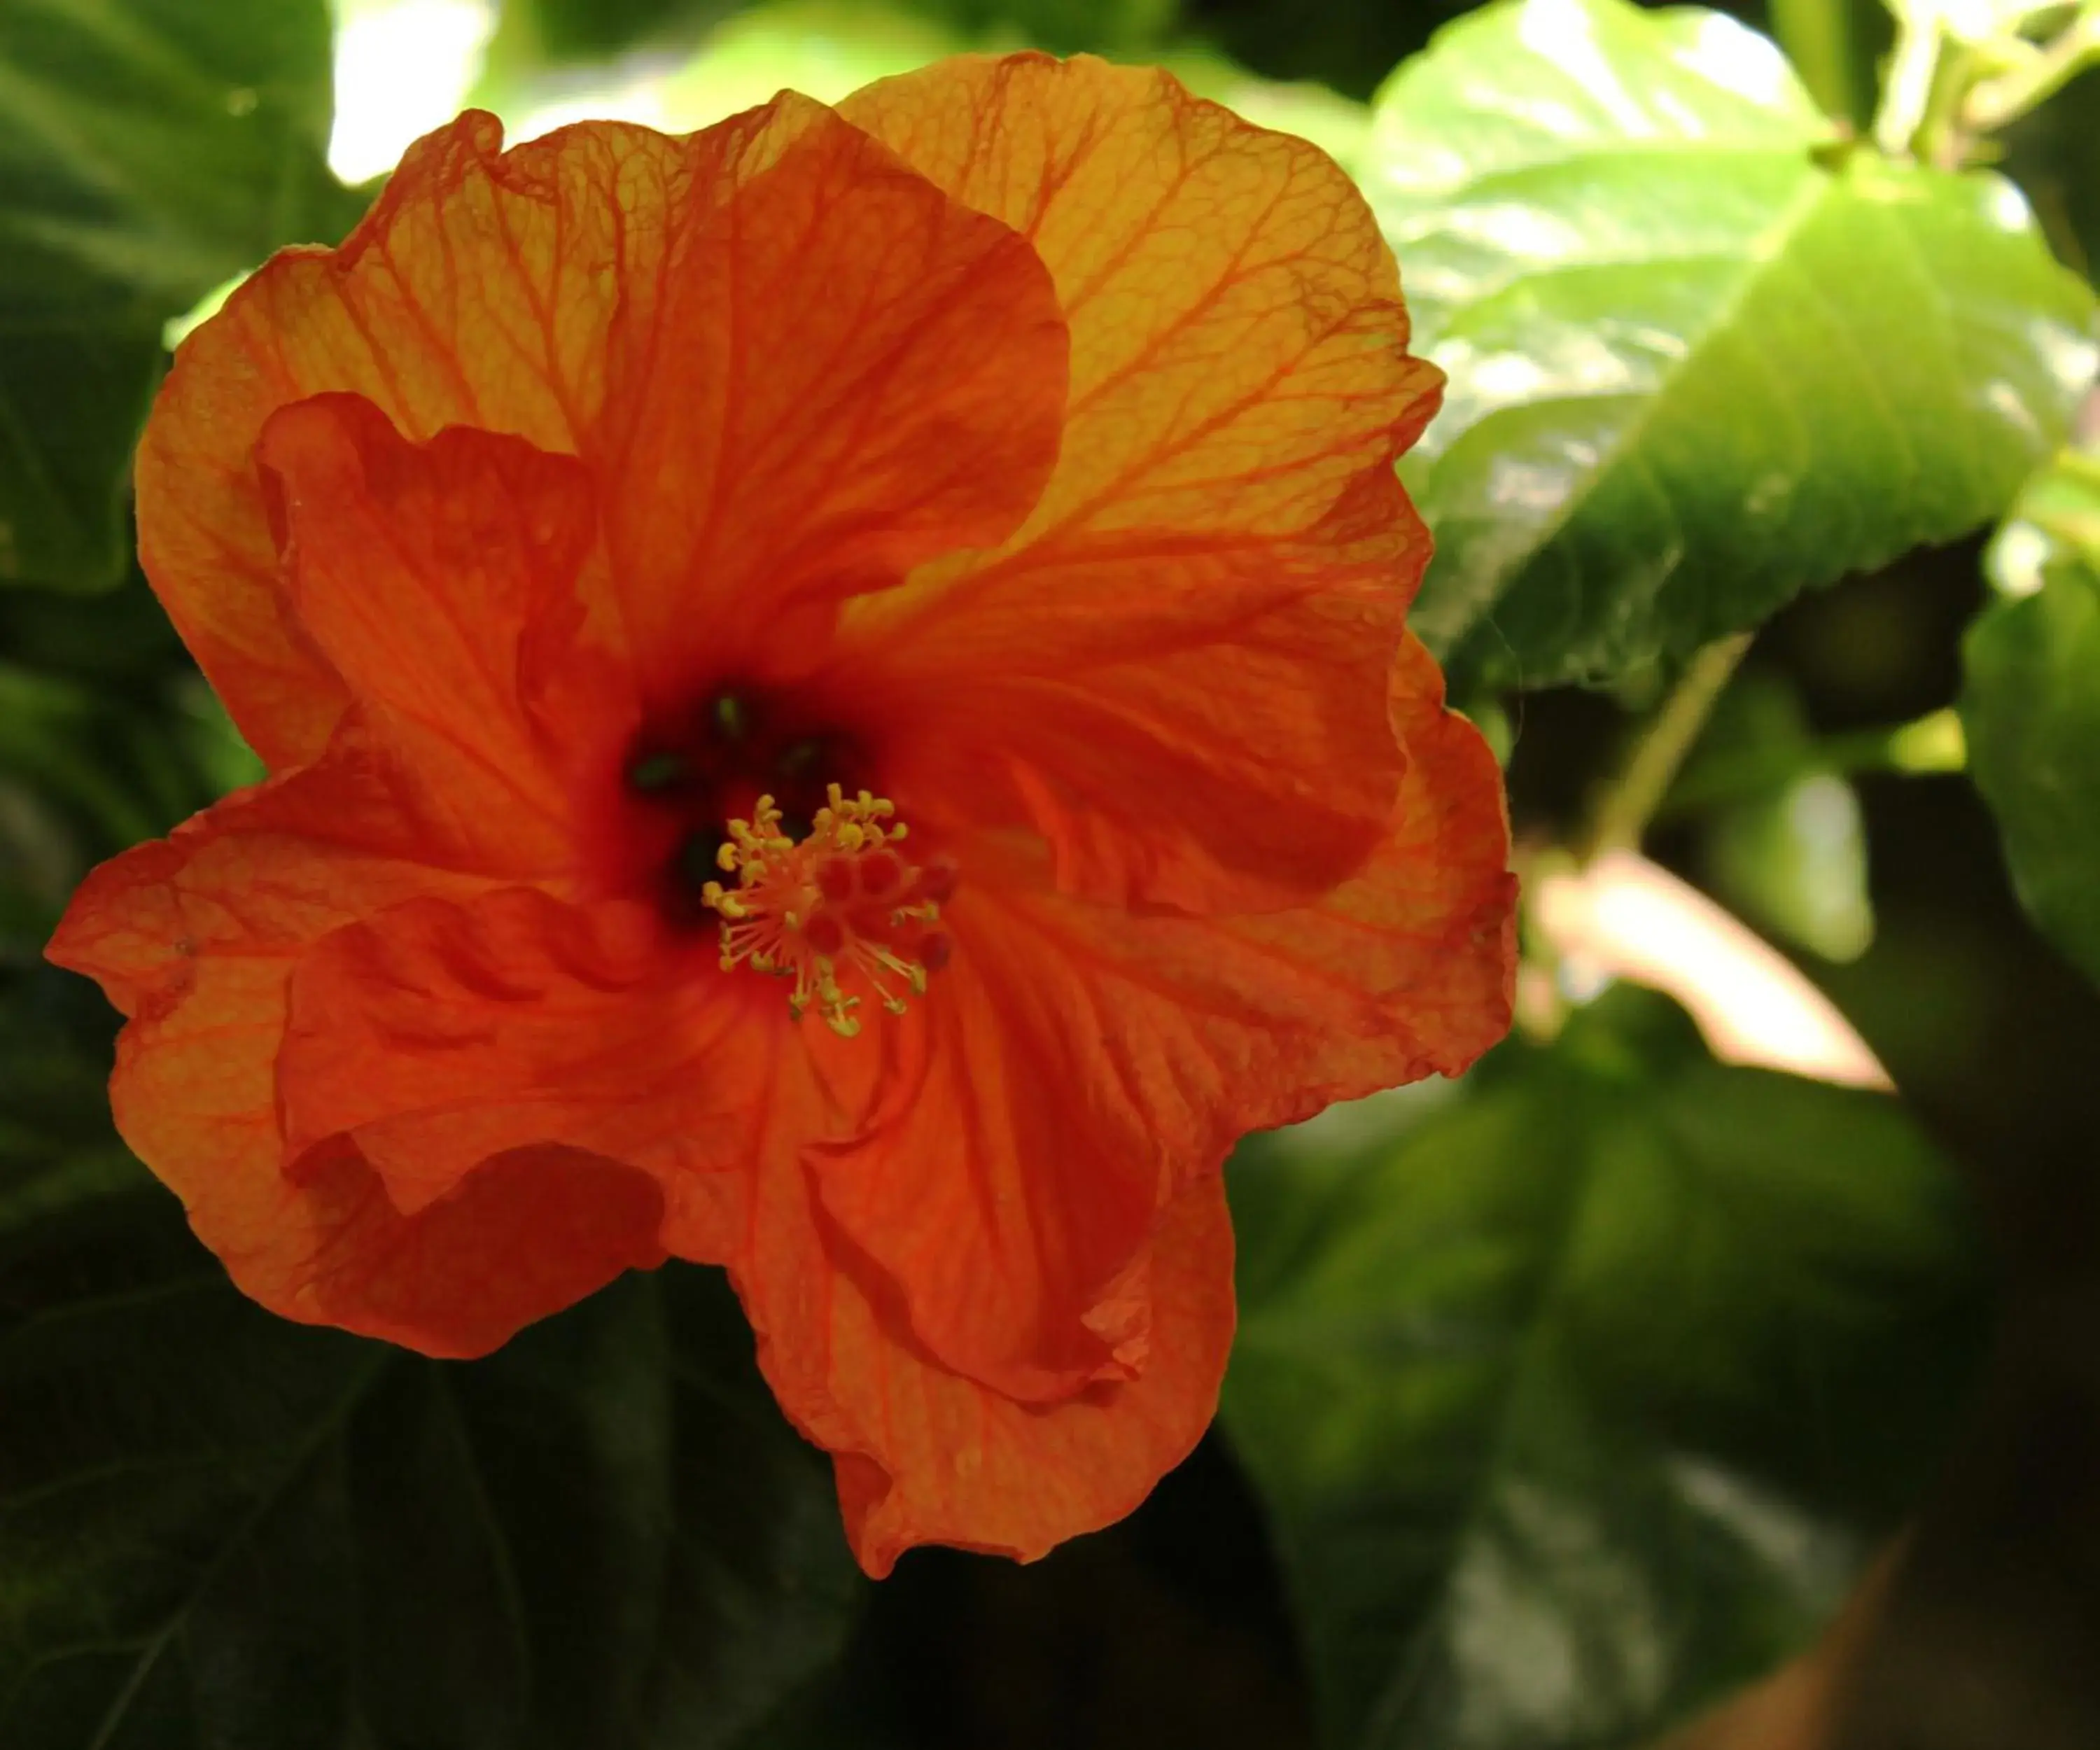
(689, 778)
(761, 823)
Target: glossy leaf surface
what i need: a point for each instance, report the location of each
(2032, 705)
(1576, 1405)
(1700, 358)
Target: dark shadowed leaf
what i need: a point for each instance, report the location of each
(2032, 704)
(107, 736)
(220, 1530)
(1576, 1405)
(149, 150)
(2053, 153)
(1701, 357)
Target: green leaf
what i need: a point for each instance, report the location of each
(1793, 857)
(73, 395)
(1700, 356)
(108, 735)
(822, 48)
(149, 150)
(1103, 27)
(2053, 153)
(1576, 1406)
(2031, 704)
(217, 1527)
(56, 1148)
(89, 766)
(1796, 863)
(569, 30)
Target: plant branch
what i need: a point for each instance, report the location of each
(1930, 744)
(2036, 77)
(1907, 89)
(1627, 807)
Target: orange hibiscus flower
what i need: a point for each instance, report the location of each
(837, 703)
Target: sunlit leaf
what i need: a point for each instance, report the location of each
(1701, 357)
(148, 150)
(2031, 703)
(217, 1527)
(1578, 1405)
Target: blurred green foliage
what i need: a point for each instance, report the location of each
(1573, 1396)
(1789, 852)
(149, 149)
(2032, 704)
(107, 736)
(1578, 1401)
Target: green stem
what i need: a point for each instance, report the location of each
(1630, 804)
(1932, 743)
(1907, 90)
(1992, 102)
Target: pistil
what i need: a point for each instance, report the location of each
(842, 902)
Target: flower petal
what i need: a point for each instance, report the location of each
(1403, 971)
(480, 290)
(1074, 1065)
(267, 872)
(766, 333)
(436, 1035)
(439, 581)
(195, 937)
(847, 373)
(1212, 584)
(1216, 742)
(1005, 1196)
(924, 1454)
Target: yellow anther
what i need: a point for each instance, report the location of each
(826, 907)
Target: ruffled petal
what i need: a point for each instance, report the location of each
(480, 290)
(436, 1035)
(195, 938)
(845, 374)
(1242, 1023)
(1181, 657)
(269, 870)
(1427, 927)
(795, 360)
(1004, 1194)
(1076, 1065)
(924, 1454)
(438, 581)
